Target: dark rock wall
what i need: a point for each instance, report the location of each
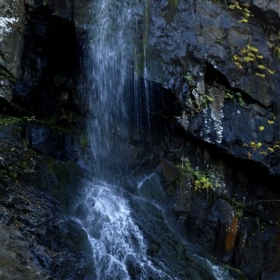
(197, 56)
(217, 120)
(197, 50)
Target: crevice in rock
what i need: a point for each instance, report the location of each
(214, 77)
(49, 64)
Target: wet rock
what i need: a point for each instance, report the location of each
(190, 51)
(195, 62)
(169, 171)
(33, 195)
(15, 257)
(151, 189)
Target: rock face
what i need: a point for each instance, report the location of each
(35, 192)
(12, 25)
(200, 51)
(214, 67)
(202, 54)
(15, 251)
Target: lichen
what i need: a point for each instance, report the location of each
(5, 23)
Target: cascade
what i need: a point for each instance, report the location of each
(116, 240)
(105, 210)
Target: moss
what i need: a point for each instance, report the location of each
(66, 127)
(7, 121)
(170, 11)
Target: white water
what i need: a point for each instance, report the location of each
(119, 249)
(118, 245)
(108, 66)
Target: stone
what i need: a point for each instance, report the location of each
(15, 257)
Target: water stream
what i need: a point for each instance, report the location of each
(124, 229)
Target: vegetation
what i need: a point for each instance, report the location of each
(263, 148)
(249, 56)
(236, 96)
(201, 180)
(238, 206)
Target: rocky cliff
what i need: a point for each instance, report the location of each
(213, 67)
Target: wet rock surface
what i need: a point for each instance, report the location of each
(35, 197)
(15, 256)
(224, 120)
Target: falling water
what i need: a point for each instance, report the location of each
(119, 249)
(109, 59)
(118, 245)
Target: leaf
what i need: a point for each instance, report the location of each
(209, 98)
(251, 55)
(259, 145)
(260, 75)
(261, 128)
(259, 56)
(244, 20)
(229, 95)
(255, 145)
(248, 59)
(270, 122)
(232, 7)
(238, 65)
(253, 49)
(260, 66)
(272, 72)
(236, 57)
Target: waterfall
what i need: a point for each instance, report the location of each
(119, 248)
(113, 218)
(108, 66)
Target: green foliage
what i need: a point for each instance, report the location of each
(7, 121)
(244, 11)
(197, 99)
(239, 99)
(250, 54)
(236, 96)
(189, 78)
(219, 40)
(201, 180)
(238, 206)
